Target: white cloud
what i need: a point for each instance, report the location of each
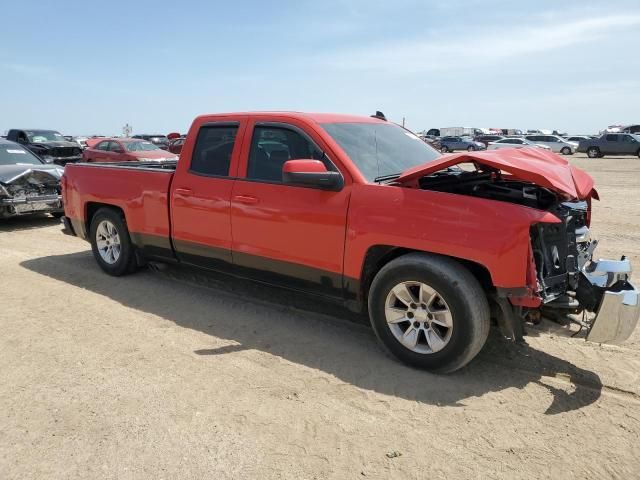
(25, 69)
(479, 47)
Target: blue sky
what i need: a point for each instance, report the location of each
(90, 67)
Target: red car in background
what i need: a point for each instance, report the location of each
(126, 150)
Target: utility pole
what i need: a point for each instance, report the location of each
(402, 122)
(126, 130)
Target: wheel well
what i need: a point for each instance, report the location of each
(379, 255)
(93, 207)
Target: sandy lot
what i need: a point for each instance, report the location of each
(175, 373)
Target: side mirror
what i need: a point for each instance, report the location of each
(311, 173)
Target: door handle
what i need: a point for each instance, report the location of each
(183, 191)
(247, 199)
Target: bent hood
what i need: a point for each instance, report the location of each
(534, 165)
(55, 144)
(44, 173)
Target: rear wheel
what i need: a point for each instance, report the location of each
(565, 151)
(444, 149)
(429, 312)
(111, 244)
(593, 152)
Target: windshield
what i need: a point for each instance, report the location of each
(380, 149)
(16, 155)
(41, 136)
(140, 146)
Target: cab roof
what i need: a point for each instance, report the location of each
(315, 117)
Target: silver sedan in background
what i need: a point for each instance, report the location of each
(514, 143)
(555, 143)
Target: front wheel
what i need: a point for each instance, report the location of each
(471, 149)
(111, 244)
(429, 312)
(565, 151)
(593, 152)
(444, 149)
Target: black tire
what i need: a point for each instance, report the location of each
(444, 149)
(471, 149)
(565, 151)
(460, 290)
(594, 152)
(126, 262)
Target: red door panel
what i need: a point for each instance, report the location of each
(290, 235)
(201, 202)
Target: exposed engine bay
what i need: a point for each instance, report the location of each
(489, 184)
(30, 190)
(568, 279)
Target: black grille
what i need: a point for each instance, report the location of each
(65, 152)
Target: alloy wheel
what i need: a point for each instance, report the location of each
(418, 317)
(108, 242)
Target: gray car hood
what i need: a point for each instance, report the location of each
(44, 173)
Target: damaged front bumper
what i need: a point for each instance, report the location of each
(604, 288)
(30, 204)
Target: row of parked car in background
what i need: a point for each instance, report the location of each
(32, 160)
(593, 146)
(53, 147)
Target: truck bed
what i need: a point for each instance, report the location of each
(139, 188)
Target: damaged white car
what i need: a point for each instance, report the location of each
(27, 184)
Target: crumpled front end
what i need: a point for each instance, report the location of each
(33, 191)
(606, 290)
(570, 280)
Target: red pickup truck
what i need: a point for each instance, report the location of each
(363, 212)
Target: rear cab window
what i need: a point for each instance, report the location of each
(213, 149)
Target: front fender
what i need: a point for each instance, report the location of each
(488, 232)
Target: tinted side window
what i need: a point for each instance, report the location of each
(271, 147)
(102, 146)
(212, 153)
(612, 138)
(114, 147)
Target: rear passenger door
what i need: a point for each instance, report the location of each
(611, 144)
(282, 234)
(201, 195)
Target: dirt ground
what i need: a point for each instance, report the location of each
(172, 373)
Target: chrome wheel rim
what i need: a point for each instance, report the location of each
(418, 317)
(108, 242)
